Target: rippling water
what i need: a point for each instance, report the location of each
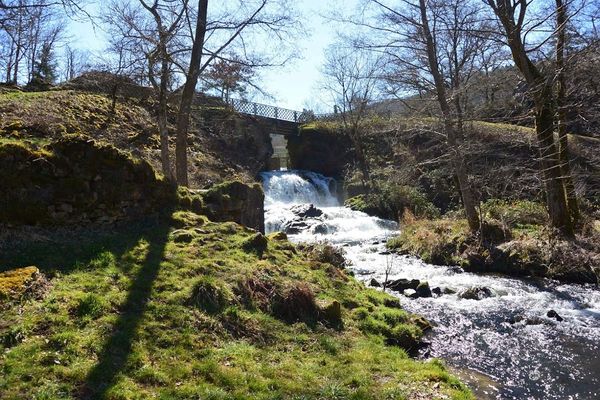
(508, 337)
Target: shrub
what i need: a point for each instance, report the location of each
(390, 201)
(296, 303)
(210, 295)
(515, 213)
(326, 253)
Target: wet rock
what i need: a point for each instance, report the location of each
(476, 293)
(385, 253)
(374, 283)
(412, 293)
(534, 321)
(320, 229)
(436, 291)
(554, 314)
(306, 211)
(294, 227)
(399, 285)
(448, 291)
(423, 290)
(455, 269)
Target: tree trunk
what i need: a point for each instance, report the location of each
(162, 118)
(454, 146)
(189, 89)
(563, 140)
(556, 199)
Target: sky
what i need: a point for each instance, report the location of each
(294, 86)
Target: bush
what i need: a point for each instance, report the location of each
(326, 253)
(515, 213)
(390, 202)
(210, 295)
(296, 303)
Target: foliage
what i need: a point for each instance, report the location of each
(515, 213)
(391, 201)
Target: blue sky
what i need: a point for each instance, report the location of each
(294, 86)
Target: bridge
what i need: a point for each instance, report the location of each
(282, 121)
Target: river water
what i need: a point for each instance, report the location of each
(505, 346)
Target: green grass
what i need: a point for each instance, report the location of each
(152, 311)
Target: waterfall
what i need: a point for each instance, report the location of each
(305, 205)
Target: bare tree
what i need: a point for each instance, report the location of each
(512, 16)
(431, 49)
(218, 33)
(75, 62)
(351, 78)
(27, 29)
(149, 36)
(561, 103)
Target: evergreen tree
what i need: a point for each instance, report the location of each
(44, 72)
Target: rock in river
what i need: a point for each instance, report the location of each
(476, 293)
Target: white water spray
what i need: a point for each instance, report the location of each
(543, 360)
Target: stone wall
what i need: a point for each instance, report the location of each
(237, 202)
(76, 180)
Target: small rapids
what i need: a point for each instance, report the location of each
(505, 345)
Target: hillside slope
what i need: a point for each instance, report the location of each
(182, 308)
(229, 146)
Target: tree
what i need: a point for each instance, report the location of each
(269, 19)
(148, 35)
(26, 27)
(561, 104)
(228, 76)
(512, 17)
(430, 49)
(351, 79)
(44, 70)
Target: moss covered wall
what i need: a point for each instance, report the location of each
(76, 180)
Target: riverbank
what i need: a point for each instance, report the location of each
(514, 240)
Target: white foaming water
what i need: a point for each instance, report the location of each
(544, 359)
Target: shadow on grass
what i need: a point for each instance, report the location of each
(67, 249)
(118, 347)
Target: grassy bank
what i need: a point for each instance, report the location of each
(514, 239)
(185, 308)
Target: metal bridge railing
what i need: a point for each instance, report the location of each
(267, 111)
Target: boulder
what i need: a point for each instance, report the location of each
(476, 293)
(306, 211)
(332, 312)
(278, 236)
(423, 290)
(257, 243)
(237, 202)
(374, 283)
(399, 285)
(436, 291)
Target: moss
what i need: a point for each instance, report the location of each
(133, 314)
(13, 283)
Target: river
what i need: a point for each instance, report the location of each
(504, 346)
